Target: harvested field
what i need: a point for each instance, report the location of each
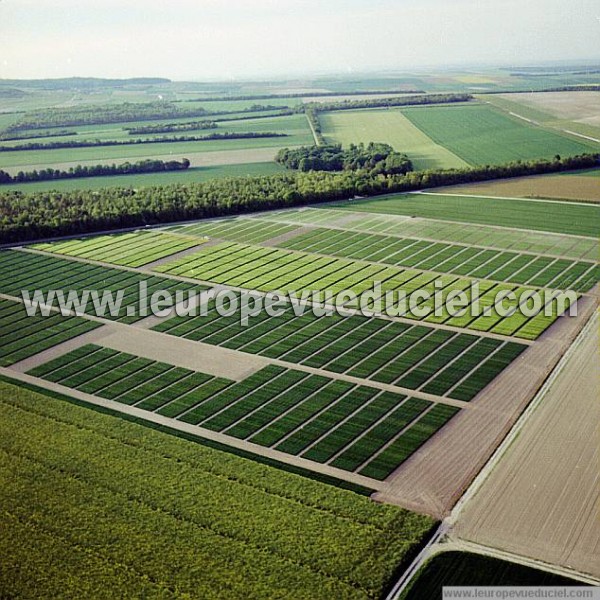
(542, 499)
(571, 186)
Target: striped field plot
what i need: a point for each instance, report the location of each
(23, 336)
(386, 351)
(125, 249)
(502, 238)
(450, 258)
(251, 231)
(28, 271)
(354, 427)
(272, 269)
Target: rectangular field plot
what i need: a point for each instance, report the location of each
(28, 271)
(318, 418)
(481, 134)
(252, 231)
(448, 258)
(23, 336)
(537, 242)
(125, 249)
(408, 356)
(272, 269)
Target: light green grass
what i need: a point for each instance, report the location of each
(391, 127)
(194, 174)
(557, 217)
(481, 134)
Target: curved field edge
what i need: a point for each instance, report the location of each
(103, 501)
(466, 569)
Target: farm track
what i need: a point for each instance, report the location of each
(455, 455)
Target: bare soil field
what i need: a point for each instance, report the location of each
(558, 187)
(582, 107)
(542, 500)
(434, 477)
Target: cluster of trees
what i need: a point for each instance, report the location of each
(227, 135)
(45, 214)
(170, 127)
(126, 168)
(375, 158)
(91, 114)
(389, 102)
(31, 135)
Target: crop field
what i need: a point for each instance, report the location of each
(27, 271)
(467, 569)
(23, 336)
(536, 242)
(237, 229)
(106, 499)
(126, 249)
(392, 127)
(480, 134)
(353, 427)
(557, 217)
(564, 186)
(191, 175)
(462, 260)
(408, 356)
(274, 270)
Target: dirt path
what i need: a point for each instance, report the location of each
(435, 477)
(542, 500)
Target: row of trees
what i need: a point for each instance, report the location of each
(126, 168)
(226, 135)
(376, 158)
(31, 135)
(390, 102)
(170, 127)
(91, 114)
(45, 214)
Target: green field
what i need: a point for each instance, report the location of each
(480, 135)
(314, 416)
(558, 217)
(191, 175)
(275, 270)
(125, 249)
(450, 258)
(23, 336)
(392, 127)
(412, 357)
(95, 506)
(466, 569)
(27, 271)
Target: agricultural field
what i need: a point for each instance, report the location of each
(92, 505)
(355, 428)
(480, 134)
(557, 217)
(273, 270)
(484, 236)
(191, 175)
(28, 271)
(392, 127)
(23, 336)
(467, 569)
(577, 186)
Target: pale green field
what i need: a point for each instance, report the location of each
(148, 179)
(391, 127)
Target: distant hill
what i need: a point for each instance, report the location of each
(80, 82)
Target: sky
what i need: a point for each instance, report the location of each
(237, 39)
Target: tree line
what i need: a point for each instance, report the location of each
(226, 135)
(51, 213)
(170, 127)
(126, 168)
(375, 158)
(390, 102)
(31, 135)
